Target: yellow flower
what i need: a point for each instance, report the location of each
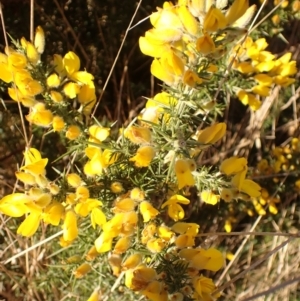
(209, 197)
(151, 47)
(82, 193)
(140, 277)
(39, 40)
(191, 79)
(82, 270)
(15, 205)
(236, 11)
(71, 62)
(144, 156)
(116, 187)
(249, 99)
(186, 228)
(53, 80)
(73, 132)
(95, 296)
(169, 68)
(99, 132)
(58, 123)
(70, 230)
(187, 19)
(26, 178)
(124, 205)
(155, 245)
(148, 211)
(184, 241)
(214, 20)
(132, 261)
(103, 243)
(138, 135)
(233, 165)
(175, 211)
(53, 213)
(30, 225)
(203, 286)
(97, 217)
(114, 261)
(211, 134)
(40, 115)
(71, 89)
(122, 245)
(227, 194)
(165, 233)
(183, 173)
(34, 163)
(205, 45)
(16, 61)
(56, 96)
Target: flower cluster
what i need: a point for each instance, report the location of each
(263, 68)
(48, 93)
(188, 37)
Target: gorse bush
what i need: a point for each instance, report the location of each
(135, 188)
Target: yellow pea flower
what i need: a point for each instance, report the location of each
(233, 165)
(71, 62)
(53, 213)
(148, 46)
(205, 45)
(53, 80)
(211, 134)
(39, 40)
(165, 233)
(187, 19)
(175, 211)
(73, 132)
(26, 178)
(71, 89)
(81, 77)
(99, 132)
(191, 79)
(30, 225)
(148, 211)
(116, 187)
(56, 96)
(236, 11)
(40, 115)
(214, 20)
(95, 296)
(70, 230)
(97, 217)
(209, 197)
(144, 156)
(122, 245)
(15, 205)
(138, 135)
(103, 243)
(186, 228)
(132, 261)
(16, 60)
(155, 245)
(58, 123)
(184, 241)
(114, 261)
(183, 173)
(82, 270)
(203, 286)
(124, 205)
